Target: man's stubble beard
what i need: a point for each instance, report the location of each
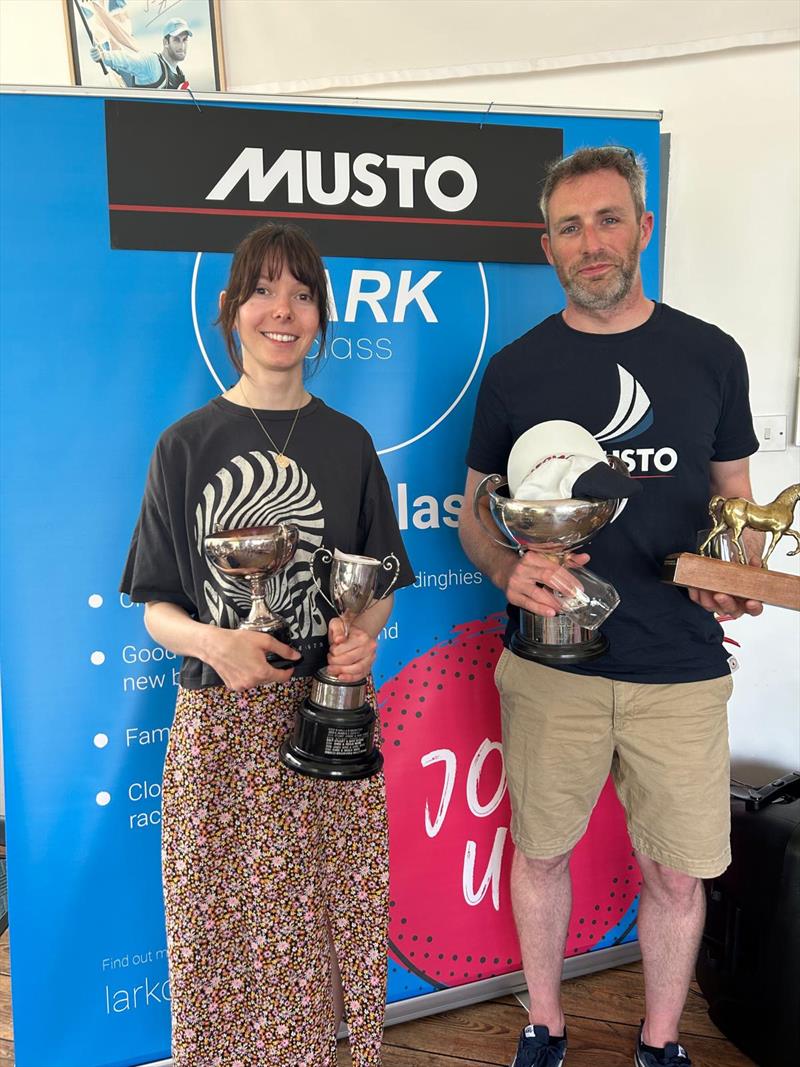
(614, 290)
(173, 58)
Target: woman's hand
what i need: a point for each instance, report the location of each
(239, 657)
(350, 658)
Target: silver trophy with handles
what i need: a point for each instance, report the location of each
(555, 527)
(334, 728)
(561, 490)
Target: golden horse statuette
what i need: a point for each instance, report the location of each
(754, 581)
(736, 513)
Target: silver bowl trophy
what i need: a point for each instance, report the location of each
(555, 527)
(334, 728)
(256, 553)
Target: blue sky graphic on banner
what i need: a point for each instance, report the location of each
(101, 350)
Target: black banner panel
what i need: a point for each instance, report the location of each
(184, 178)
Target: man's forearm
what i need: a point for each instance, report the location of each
(730, 480)
(493, 560)
(142, 65)
(490, 558)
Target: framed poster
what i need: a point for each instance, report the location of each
(145, 44)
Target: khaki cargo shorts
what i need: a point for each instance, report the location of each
(665, 745)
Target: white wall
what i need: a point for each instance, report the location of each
(33, 43)
(731, 258)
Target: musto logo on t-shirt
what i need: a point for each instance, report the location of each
(634, 415)
(405, 341)
(449, 818)
(252, 490)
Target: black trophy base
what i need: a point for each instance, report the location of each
(579, 652)
(281, 632)
(280, 663)
(332, 744)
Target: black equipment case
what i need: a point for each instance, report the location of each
(749, 962)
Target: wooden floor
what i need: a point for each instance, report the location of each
(603, 1012)
(6, 1033)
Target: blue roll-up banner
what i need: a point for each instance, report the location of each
(111, 270)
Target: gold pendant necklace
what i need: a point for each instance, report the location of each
(281, 458)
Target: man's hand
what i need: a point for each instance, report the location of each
(349, 658)
(536, 570)
(732, 479)
(96, 53)
(734, 606)
(724, 604)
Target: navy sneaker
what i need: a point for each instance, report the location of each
(537, 1049)
(671, 1055)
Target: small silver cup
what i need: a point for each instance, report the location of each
(352, 584)
(721, 546)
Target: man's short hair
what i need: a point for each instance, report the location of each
(589, 160)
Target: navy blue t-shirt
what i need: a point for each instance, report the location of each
(669, 397)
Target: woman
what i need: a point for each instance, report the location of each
(275, 884)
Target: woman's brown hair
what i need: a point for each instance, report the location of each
(268, 250)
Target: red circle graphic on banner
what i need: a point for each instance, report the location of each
(449, 815)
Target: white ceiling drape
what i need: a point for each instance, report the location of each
(291, 46)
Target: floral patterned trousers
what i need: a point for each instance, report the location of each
(263, 870)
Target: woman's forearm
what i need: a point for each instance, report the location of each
(172, 627)
(239, 656)
(373, 620)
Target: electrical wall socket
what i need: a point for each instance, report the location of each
(771, 432)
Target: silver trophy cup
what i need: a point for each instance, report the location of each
(555, 527)
(256, 553)
(334, 729)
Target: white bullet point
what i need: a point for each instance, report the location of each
(100, 740)
(95, 601)
(103, 798)
(97, 658)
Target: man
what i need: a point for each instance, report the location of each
(150, 70)
(672, 390)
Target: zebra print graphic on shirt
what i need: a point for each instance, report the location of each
(252, 490)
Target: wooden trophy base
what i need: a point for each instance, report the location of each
(750, 583)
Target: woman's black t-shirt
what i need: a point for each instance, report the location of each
(215, 467)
